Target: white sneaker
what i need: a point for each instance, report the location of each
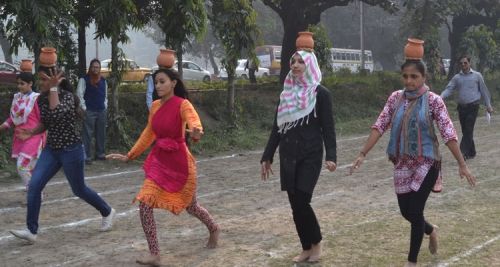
(24, 234)
(107, 222)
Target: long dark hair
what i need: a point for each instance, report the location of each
(66, 86)
(179, 89)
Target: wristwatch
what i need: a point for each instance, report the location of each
(53, 89)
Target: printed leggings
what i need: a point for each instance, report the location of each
(149, 225)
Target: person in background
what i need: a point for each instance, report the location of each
(25, 114)
(93, 94)
(471, 89)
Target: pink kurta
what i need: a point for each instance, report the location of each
(31, 147)
(409, 173)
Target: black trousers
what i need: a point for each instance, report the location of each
(412, 206)
(467, 114)
(305, 220)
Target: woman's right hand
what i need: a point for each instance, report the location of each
(116, 156)
(357, 163)
(24, 134)
(463, 171)
(265, 170)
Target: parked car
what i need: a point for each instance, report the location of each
(8, 73)
(191, 71)
(241, 72)
(132, 71)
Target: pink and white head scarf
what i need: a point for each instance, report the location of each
(298, 98)
(22, 105)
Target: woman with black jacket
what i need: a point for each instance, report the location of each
(303, 124)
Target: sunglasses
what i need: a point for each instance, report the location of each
(413, 76)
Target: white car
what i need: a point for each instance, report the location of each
(242, 73)
(190, 71)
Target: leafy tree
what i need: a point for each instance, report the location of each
(83, 14)
(297, 15)
(322, 45)
(181, 21)
(113, 18)
(235, 25)
(479, 41)
(37, 23)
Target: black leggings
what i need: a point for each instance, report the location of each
(412, 206)
(305, 220)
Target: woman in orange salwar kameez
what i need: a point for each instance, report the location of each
(170, 169)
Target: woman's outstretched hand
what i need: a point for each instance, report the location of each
(195, 133)
(357, 163)
(117, 156)
(265, 170)
(463, 171)
(330, 165)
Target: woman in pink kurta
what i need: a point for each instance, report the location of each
(414, 149)
(24, 114)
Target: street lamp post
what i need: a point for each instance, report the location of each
(361, 33)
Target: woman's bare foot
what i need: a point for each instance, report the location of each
(151, 260)
(433, 241)
(303, 256)
(213, 239)
(315, 253)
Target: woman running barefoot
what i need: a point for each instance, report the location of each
(170, 169)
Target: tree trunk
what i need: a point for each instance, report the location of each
(4, 43)
(296, 17)
(82, 46)
(212, 61)
(179, 64)
(230, 94)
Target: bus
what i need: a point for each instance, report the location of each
(350, 59)
(269, 57)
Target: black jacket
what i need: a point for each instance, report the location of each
(301, 148)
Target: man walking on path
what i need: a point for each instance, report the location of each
(92, 91)
(471, 88)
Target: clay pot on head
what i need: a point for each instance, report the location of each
(305, 41)
(414, 49)
(166, 58)
(48, 57)
(26, 65)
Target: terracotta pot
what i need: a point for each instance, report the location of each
(48, 57)
(305, 41)
(166, 58)
(26, 65)
(414, 49)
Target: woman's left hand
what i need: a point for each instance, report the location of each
(195, 133)
(463, 171)
(117, 156)
(330, 165)
(54, 78)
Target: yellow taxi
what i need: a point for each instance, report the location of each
(131, 72)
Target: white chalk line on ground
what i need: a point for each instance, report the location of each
(468, 253)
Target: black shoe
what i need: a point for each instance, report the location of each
(88, 162)
(100, 158)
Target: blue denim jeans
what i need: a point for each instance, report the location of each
(94, 126)
(50, 162)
